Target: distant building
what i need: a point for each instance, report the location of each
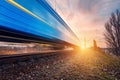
(94, 44)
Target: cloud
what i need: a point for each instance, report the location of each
(86, 17)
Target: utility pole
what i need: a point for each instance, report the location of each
(55, 5)
(85, 42)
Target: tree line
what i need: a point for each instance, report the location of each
(112, 33)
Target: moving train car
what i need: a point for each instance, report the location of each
(33, 21)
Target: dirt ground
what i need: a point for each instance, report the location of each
(79, 65)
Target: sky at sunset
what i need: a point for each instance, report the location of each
(86, 17)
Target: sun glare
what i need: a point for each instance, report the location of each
(83, 47)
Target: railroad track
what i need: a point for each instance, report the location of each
(14, 58)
